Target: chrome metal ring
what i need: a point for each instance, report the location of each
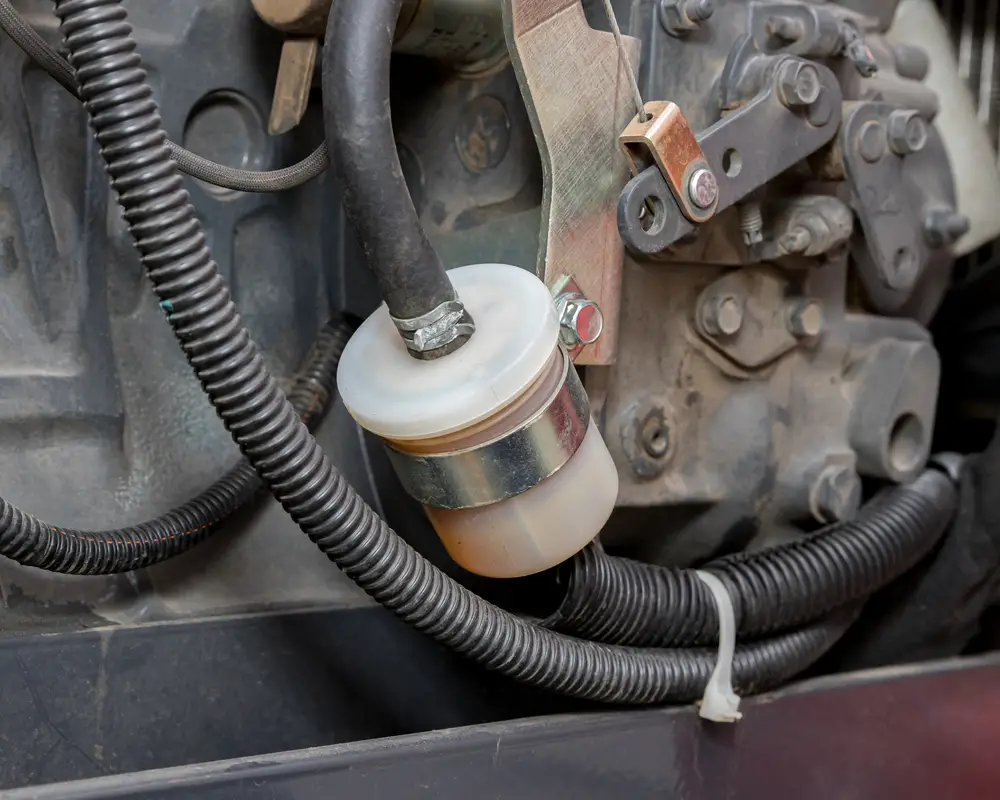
(508, 465)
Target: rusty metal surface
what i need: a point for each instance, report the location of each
(293, 84)
(575, 88)
(667, 140)
(300, 17)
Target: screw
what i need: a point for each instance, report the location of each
(751, 222)
(722, 315)
(907, 132)
(797, 240)
(944, 226)
(798, 83)
(703, 188)
(805, 319)
(836, 495)
(580, 320)
(680, 17)
(871, 141)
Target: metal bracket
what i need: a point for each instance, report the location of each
(575, 92)
(736, 152)
(666, 140)
(893, 254)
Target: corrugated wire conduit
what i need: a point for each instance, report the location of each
(275, 442)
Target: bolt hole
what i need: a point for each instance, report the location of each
(651, 215)
(907, 449)
(655, 438)
(732, 162)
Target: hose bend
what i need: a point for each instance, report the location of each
(33, 543)
(620, 601)
(412, 280)
(277, 444)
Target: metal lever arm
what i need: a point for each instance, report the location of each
(745, 149)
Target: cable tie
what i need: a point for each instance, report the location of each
(720, 703)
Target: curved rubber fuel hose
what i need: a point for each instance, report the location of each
(359, 37)
(621, 601)
(263, 423)
(33, 543)
(239, 180)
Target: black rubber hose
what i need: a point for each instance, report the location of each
(359, 37)
(620, 601)
(239, 180)
(263, 423)
(34, 543)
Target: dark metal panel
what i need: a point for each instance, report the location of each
(920, 732)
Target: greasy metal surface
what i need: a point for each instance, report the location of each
(101, 420)
(575, 89)
(741, 157)
(761, 436)
(667, 140)
(764, 334)
(916, 732)
(506, 465)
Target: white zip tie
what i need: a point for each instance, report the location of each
(720, 703)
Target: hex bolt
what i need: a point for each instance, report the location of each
(907, 132)
(872, 141)
(944, 226)
(805, 319)
(680, 17)
(836, 495)
(798, 83)
(581, 321)
(722, 315)
(703, 188)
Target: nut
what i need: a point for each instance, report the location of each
(703, 188)
(836, 495)
(722, 315)
(871, 141)
(581, 320)
(798, 83)
(805, 318)
(907, 132)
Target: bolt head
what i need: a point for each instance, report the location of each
(836, 495)
(722, 316)
(581, 320)
(944, 226)
(797, 240)
(703, 188)
(805, 319)
(872, 142)
(798, 83)
(907, 132)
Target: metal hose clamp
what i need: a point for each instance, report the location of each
(507, 465)
(437, 328)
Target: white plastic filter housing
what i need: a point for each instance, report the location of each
(407, 401)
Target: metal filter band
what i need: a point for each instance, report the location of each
(507, 465)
